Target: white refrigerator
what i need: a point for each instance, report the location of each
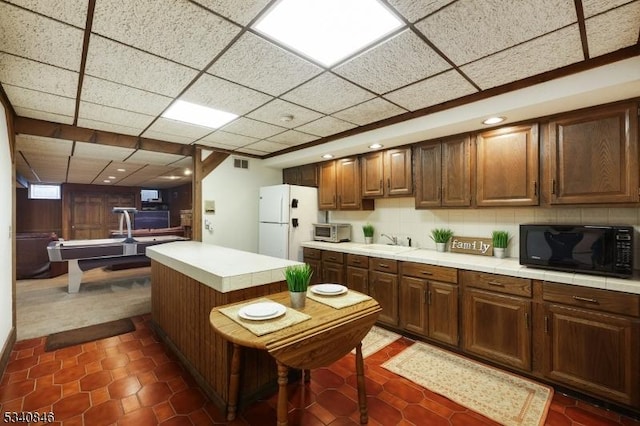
(286, 217)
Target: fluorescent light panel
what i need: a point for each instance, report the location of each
(198, 114)
(328, 30)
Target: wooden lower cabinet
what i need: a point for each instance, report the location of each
(313, 257)
(592, 351)
(497, 327)
(333, 267)
(384, 288)
(358, 273)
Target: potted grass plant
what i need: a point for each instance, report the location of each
(298, 278)
(368, 230)
(441, 236)
(500, 241)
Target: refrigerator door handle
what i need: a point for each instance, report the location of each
(281, 209)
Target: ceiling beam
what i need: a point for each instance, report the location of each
(211, 162)
(83, 60)
(35, 127)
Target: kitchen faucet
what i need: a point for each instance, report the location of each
(394, 240)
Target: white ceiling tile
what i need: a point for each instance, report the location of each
(253, 128)
(241, 12)
(256, 63)
(276, 109)
(40, 101)
(414, 10)
(46, 116)
(613, 30)
(135, 68)
(72, 11)
(292, 137)
(36, 76)
(173, 127)
(228, 139)
(554, 50)
(217, 145)
(103, 92)
(85, 170)
(400, 61)
(23, 169)
(467, 30)
(107, 127)
(594, 7)
(151, 157)
(39, 38)
(432, 91)
(185, 140)
(117, 116)
(223, 95)
(43, 146)
(180, 31)
(251, 151)
(101, 152)
(183, 162)
(325, 126)
(369, 112)
(49, 168)
(319, 94)
(266, 146)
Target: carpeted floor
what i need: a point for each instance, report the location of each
(44, 306)
(498, 395)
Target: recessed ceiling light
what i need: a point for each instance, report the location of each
(122, 170)
(198, 114)
(328, 30)
(327, 156)
(494, 120)
(106, 181)
(187, 172)
(112, 177)
(375, 146)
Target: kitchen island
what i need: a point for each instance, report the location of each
(189, 278)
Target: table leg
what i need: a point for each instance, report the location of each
(234, 383)
(283, 372)
(307, 375)
(75, 276)
(362, 393)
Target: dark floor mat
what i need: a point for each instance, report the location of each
(88, 334)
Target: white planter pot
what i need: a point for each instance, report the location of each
(441, 247)
(498, 252)
(298, 299)
(368, 240)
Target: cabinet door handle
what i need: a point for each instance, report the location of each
(526, 320)
(535, 188)
(429, 297)
(553, 186)
(388, 184)
(546, 324)
(496, 284)
(426, 273)
(380, 185)
(383, 265)
(585, 299)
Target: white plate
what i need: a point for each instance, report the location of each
(262, 311)
(328, 289)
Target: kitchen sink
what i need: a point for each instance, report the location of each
(387, 248)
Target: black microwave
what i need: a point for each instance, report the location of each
(591, 249)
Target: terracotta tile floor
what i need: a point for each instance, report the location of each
(133, 379)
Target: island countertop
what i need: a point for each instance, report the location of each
(221, 268)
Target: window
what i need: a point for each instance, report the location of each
(39, 191)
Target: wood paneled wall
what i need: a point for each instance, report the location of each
(178, 198)
(37, 215)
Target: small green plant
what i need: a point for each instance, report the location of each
(500, 239)
(368, 230)
(441, 235)
(298, 277)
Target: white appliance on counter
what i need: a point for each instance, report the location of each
(286, 217)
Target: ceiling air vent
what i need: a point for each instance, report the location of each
(240, 163)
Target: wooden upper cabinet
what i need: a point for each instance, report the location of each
(327, 190)
(387, 173)
(593, 156)
(339, 187)
(507, 167)
(443, 173)
(305, 175)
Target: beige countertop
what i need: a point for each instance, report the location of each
(221, 268)
(507, 266)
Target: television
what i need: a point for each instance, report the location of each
(150, 195)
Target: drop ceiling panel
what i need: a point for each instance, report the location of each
(40, 38)
(266, 146)
(369, 112)
(594, 7)
(114, 169)
(43, 146)
(40, 101)
(241, 12)
(135, 68)
(325, 126)
(107, 114)
(414, 10)
(256, 63)
(185, 162)
(432, 91)
(251, 151)
(402, 60)
(185, 140)
(104, 92)
(85, 170)
(220, 94)
(274, 111)
(46, 116)
(23, 169)
(151, 157)
(227, 139)
(36, 76)
(252, 128)
(71, 11)
(319, 94)
(180, 31)
(108, 127)
(613, 30)
(467, 30)
(292, 137)
(101, 152)
(49, 168)
(552, 51)
(179, 128)
(217, 145)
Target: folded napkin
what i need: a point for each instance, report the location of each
(339, 301)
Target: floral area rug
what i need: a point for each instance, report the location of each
(500, 396)
(376, 339)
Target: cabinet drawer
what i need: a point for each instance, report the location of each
(311, 253)
(497, 283)
(431, 272)
(592, 298)
(383, 265)
(358, 260)
(332, 256)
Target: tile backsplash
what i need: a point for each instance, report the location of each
(399, 217)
